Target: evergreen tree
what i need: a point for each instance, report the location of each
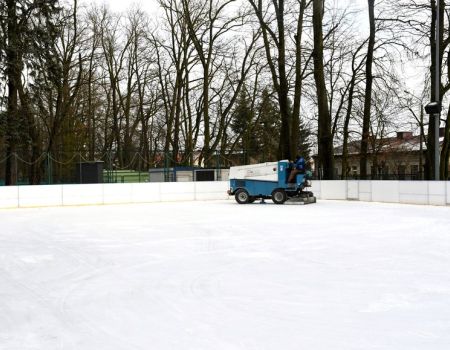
(304, 142)
(23, 24)
(243, 125)
(269, 126)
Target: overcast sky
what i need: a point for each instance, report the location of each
(122, 5)
(151, 5)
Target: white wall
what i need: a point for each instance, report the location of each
(99, 194)
(408, 192)
(9, 197)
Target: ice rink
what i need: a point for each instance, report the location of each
(218, 275)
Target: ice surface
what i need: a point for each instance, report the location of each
(218, 275)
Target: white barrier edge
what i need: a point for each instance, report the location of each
(334, 186)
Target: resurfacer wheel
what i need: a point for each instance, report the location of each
(242, 196)
(279, 196)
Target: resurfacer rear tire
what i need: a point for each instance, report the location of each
(242, 196)
(279, 196)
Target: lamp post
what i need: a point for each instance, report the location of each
(421, 138)
(435, 107)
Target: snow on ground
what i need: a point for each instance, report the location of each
(218, 275)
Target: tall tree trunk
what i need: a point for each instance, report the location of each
(295, 129)
(368, 93)
(346, 125)
(190, 141)
(348, 115)
(325, 154)
(285, 135)
(176, 130)
(91, 118)
(13, 77)
(278, 72)
(116, 127)
(206, 121)
(445, 152)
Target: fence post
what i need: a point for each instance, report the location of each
(16, 167)
(139, 166)
(81, 169)
(110, 172)
(49, 169)
(166, 170)
(218, 165)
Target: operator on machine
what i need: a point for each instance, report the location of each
(298, 167)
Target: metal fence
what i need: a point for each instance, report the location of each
(76, 167)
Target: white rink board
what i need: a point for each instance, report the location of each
(333, 190)
(117, 193)
(413, 192)
(437, 192)
(316, 188)
(211, 190)
(385, 191)
(365, 191)
(406, 192)
(40, 196)
(9, 197)
(177, 191)
(83, 194)
(146, 192)
(353, 190)
(447, 184)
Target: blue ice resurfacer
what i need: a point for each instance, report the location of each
(269, 181)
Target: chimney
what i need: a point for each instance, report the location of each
(404, 135)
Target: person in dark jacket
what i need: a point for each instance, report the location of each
(298, 167)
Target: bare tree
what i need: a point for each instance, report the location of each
(352, 85)
(368, 93)
(325, 138)
(417, 21)
(275, 33)
(209, 29)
